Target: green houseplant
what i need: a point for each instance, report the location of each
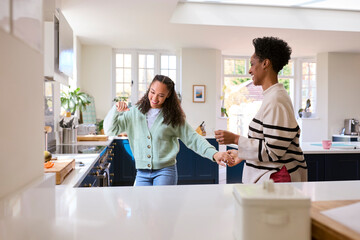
(74, 100)
(305, 112)
(222, 98)
(100, 127)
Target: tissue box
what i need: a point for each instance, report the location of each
(271, 211)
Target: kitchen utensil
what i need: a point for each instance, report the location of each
(69, 135)
(201, 129)
(47, 129)
(61, 168)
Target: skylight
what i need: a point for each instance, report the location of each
(353, 5)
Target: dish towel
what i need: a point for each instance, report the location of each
(281, 176)
(89, 114)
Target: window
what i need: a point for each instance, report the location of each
(241, 98)
(65, 89)
(134, 71)
(286, 77)
(123, 79)
(308, 84)
(168, 66)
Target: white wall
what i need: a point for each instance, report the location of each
(316, 128)
(22, 114)
(337, 94)
(201, 67)
(344, 89)
(96, 77)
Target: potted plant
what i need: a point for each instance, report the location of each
(222, 98)
(100, 127)
(75, 100)
(305, 112)
(223, 112)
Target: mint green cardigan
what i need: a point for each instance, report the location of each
(157, 147)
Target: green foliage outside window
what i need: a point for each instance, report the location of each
(286, 83)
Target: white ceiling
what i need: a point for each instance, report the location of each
(149, 24)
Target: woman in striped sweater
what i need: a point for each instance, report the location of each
(271, 149)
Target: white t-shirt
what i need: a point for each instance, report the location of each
(151, 116)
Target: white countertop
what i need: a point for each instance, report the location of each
(41, 211)
(316, 147)
(74, 178)
(337, 147)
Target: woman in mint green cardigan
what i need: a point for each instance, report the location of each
(153, 127)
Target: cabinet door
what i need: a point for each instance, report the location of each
(124, 164)
(194, 169)
(342, 167)
(316, 167)
(234, 174)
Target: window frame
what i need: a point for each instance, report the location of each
(294, 90)
(313, 103)
(135, 69)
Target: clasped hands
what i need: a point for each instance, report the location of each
(229, 158)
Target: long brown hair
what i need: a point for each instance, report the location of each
(171, 108)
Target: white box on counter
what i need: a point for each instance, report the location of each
(271, 211)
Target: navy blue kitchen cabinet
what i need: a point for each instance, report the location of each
(234, 174)
(316, 167)
(321, 167)
(342, 167)
(192, 168)
(124, 164)
(333, 167)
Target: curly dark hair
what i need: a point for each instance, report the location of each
(172, 110)
(274, 49)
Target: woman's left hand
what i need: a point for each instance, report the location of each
(223, 158)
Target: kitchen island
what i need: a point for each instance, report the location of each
(42, 211)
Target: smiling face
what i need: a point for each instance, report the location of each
(157, 94)
(257, 70)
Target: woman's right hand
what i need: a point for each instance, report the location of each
(122, 107)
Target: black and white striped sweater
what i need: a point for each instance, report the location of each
(273, 140)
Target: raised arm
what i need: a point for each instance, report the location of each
(116, 121)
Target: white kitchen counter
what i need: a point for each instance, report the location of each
(316, 147)
(164, 212)
(74, 178)
(337, 147)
